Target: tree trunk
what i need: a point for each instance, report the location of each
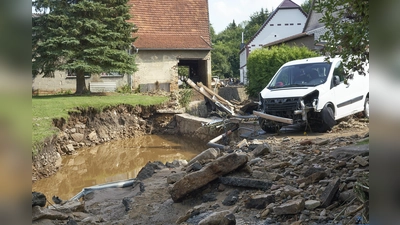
(80, 83)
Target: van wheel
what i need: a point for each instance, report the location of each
(366, 108)
(268, 126)
(328, 119)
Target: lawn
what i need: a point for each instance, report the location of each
(45, 108)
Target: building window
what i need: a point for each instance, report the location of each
(286, 24)
(279, 24)
(72, 74)
(271, 25)
(298, 23)
(291, 24)
(111, 74)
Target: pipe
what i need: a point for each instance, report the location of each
(274, 118)
(116, 184)
(212, 143)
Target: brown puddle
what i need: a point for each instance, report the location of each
(113, 161)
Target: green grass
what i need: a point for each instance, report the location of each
(363, 142)
(45, 108)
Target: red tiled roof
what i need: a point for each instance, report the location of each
(171, 24)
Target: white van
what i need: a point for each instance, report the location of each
(312, 92)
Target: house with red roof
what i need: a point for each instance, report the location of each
(286, 20)
(171, 34)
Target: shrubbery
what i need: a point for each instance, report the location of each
(262, 64)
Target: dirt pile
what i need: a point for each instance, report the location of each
(283, 180)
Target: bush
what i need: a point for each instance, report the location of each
(124, 89)
(262, 64)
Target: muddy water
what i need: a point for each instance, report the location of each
(113, 161)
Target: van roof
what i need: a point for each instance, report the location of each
(310, 60)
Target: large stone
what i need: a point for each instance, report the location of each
(329, 192)
(344, 152)
(78, 137)
(360, 160)
(38, 199)
(219, 218)
(290, 207)
(246, 182)
(262, 149)
(149, 169)
(210, 172)
(208, 154)
(44, 213)
(260, 201)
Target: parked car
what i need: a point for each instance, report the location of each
(313, 92)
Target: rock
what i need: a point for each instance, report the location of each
(306, 142)
(255, 161)
(210, 172)
(329, 192)
(44, 213)
(196, 166)
(321, 141)
(360, 160)
(208, 154)
(173, 178)
(93, 136)
(312, 170)
(312, 204)
(262, 149)
(127, 203)
(219, 218)
(246, 182)
(209, 197)
(77, 137)
(347, 196)
(313, 178)
(232, 198)
(149, 169)
(68, 149)
(260, 201)
(38, 199)
(290, 207)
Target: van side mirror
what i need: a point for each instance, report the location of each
(336, 80)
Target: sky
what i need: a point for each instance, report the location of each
(223, 12)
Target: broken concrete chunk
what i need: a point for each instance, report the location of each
(44, 213)
(290, 207)
(360, 160)
(173, 178)
(312, 204)
(211, 153)
(221, 218)
(329, 192)
(246, 182)
(210, 172)
(232, 198)
(262, 149)
(260, 201)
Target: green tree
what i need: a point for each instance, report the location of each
(82, 36)
(306, 6)
(347, 22)
(255, 23)
(263, 63)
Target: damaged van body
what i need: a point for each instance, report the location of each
(313, 92)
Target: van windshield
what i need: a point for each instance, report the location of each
(302, 75)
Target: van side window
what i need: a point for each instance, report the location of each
(339, 71)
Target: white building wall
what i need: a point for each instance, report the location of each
(285, 23)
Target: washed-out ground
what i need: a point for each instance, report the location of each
(313, 179)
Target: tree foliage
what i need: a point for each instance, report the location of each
(263, 63)
(347, 22)
(82, 36)
(306, 6)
